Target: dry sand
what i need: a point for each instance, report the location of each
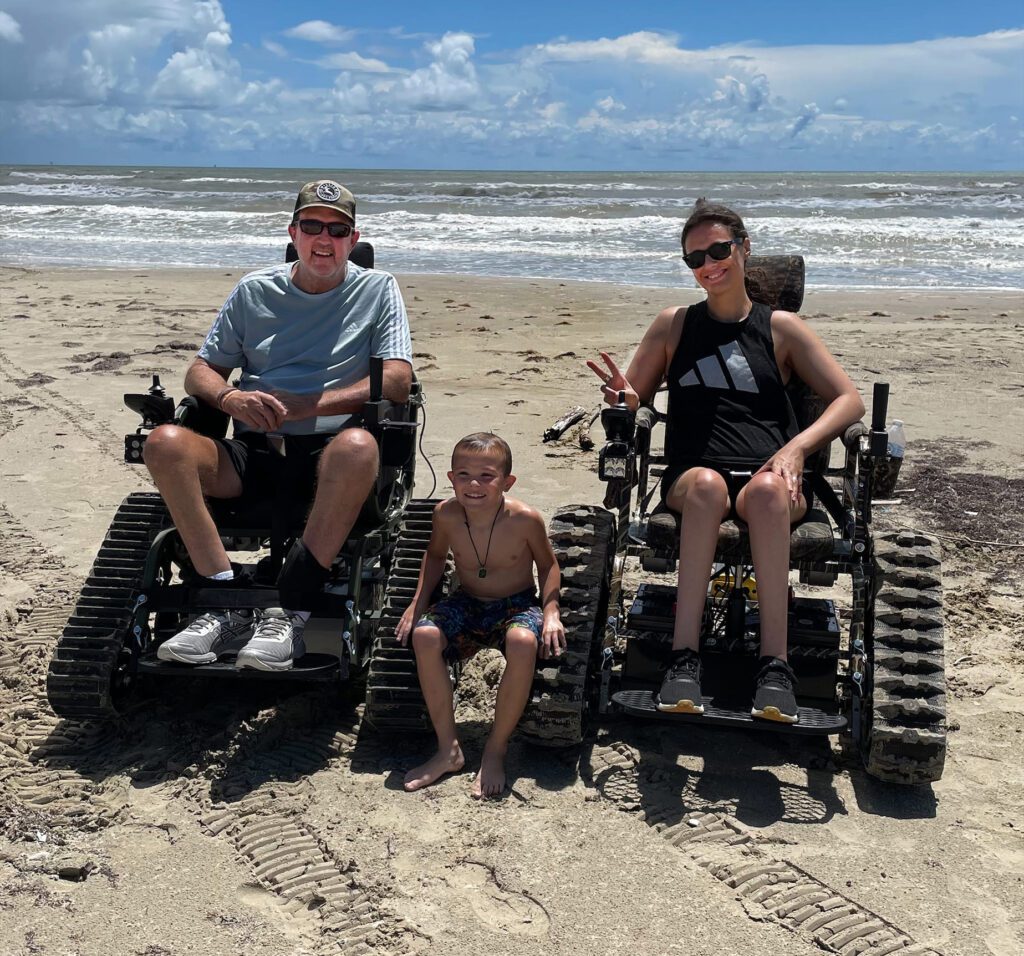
(153, 818)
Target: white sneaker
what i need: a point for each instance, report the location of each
(276, 642)
(208, 637)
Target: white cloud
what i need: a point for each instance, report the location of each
(130, 73)
(353, 61)
(659, 49)
(320, 31)
(203, 74)
(10, 30)
(807, 116)
(749, 94)
(449, 83)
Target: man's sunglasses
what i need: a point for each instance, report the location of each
(336, 230)
(717, 250)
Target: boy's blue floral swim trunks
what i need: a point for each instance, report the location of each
(470, 623)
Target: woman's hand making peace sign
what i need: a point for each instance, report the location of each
(614, 383)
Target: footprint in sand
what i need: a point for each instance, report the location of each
(496, 907)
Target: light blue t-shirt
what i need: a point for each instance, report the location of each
(283, 338)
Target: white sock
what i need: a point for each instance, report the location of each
(228, 575)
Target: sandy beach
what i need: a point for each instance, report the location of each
(124, 839)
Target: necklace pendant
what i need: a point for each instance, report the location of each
(482, 573)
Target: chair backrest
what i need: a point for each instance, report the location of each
(777, 281)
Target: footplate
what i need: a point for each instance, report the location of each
(813, 722)
(309, 667)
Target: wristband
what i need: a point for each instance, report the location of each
(222, 394)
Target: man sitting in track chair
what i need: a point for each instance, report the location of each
(734, 446)
(303, 334)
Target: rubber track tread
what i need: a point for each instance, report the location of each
(394, 701)
(908, 733)
(582, 537)
(85, 659)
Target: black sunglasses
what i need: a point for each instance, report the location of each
(336, 230)
(717, 250)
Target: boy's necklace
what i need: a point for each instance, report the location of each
(482, 571)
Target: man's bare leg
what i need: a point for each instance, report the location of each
(513, 693)
(348, 469)
(429, 643)
(765, 505)
(701, 496)
(186, 467)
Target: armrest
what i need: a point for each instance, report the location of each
(392, 424)
(193, 413)
(851, 437)
(645, 420)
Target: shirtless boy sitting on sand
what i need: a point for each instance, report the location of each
(496, 541)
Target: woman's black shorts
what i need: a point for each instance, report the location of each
(736, 477)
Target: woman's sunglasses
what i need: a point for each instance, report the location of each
(717, 250)
(336, 230)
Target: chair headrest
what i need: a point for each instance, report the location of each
(777, 281)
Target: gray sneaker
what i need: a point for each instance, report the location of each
(208, 637)
(276, 642)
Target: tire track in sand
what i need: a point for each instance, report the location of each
(59, 777)
(50, 399)
(767, 887)
(258, 806)
(35, 776)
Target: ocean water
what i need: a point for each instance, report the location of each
(855, 230)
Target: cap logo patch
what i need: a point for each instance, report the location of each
(328, 192)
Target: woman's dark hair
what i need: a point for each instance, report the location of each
(704, 211)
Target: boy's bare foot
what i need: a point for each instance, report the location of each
(444, 761)
(490, 780)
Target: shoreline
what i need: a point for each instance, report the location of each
(71, 269)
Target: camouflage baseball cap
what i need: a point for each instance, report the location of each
(326, 192)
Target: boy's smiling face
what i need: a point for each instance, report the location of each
(479, 480)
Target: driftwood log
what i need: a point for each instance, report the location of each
(777, 281)
(560, 427)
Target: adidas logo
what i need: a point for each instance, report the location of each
(727, 369)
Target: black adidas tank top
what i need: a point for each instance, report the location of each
(727, 404)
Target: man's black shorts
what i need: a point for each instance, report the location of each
(264, 471)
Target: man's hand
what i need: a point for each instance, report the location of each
(614, 382)
(258, 410)
(298, 407)
(553, 637)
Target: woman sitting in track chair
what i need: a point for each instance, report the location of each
(733, 444)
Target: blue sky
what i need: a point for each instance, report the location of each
(556, 85)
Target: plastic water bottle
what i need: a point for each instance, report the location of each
(897, 444)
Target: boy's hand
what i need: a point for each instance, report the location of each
(552, 638)
(406, 624)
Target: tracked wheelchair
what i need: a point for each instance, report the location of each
(875, 676)
(142, 588)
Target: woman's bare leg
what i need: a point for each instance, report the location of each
(701, 496)
(764, 504)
